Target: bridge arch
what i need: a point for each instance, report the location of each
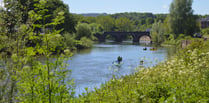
(145, 39)
(120, 35)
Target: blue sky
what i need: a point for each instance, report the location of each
(118, 6)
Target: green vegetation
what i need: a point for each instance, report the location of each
(157, 33)
(179, 21)
(179, 24)
(85, 43)
(182, 78)
(124, 21)
(123, 24)
(181, 18)
(23, 77)
(205, 32)
(83, 30)
(46, 28)
(107, 22)
(96, 28)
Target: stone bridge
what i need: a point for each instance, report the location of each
(120, 35)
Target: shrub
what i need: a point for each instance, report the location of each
(83, 30)
(84, 43)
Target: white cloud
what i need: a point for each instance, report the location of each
(1, 3)
(165, 6)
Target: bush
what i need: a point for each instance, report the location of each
(69, 40)
(83, 30)
(84, 43)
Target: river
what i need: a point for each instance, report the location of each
(92, 67)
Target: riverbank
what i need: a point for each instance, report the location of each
(183, 78)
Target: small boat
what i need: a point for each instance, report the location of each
(153, 49)
(116, 63)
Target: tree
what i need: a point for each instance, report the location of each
(181, 18)
(96, 28)
(83, 30)
(25, 79)
(107, 22)
(205, 32)
(123, 24)
(88, 20)
(142, 22)
(52, 6)
(157, 32)
(55, 6)
(149, 20)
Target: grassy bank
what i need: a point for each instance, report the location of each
(183, 78)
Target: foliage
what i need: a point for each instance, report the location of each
(83, 30)
(88, 20)
(181, 18)
(84, 43)
(107, 22)
(84, 35)
(96, 28)
(69, 40)
(52, 6)
(170, 40)
(157, 33)
(183, 78)
(137, 16)
(149, 20)
(121, 21)
(205, 32)
(24, 78)
(123, 24)
(141, 21)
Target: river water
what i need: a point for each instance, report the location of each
(92, 67)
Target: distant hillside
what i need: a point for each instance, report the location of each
(138, 16)
(93, 14)
(131, 15)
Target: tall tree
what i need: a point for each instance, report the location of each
(52, 6)
(123, 24)
(25, 79)
(181, 18)
(157, 32)
(107, 22)
(83, 30)
(55, 6)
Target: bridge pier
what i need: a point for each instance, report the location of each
(135, 40)
(118, 37)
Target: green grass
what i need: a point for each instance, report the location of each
(183, 78)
